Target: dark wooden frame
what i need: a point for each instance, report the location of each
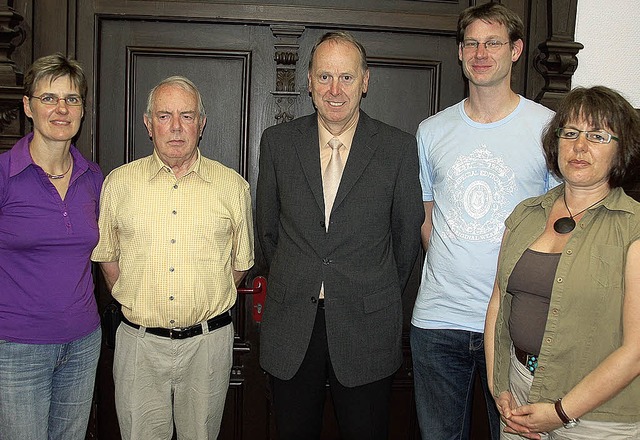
(30, 29)
(26, 33)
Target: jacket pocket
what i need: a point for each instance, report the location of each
(276, 291)
(381, 299)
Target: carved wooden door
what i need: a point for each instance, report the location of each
(248, 57)
(252, 74)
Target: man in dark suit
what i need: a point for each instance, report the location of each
(336, 268)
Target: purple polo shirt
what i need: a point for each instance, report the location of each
(46, 286)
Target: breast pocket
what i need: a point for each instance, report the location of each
(606, 264)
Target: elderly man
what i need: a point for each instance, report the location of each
(340, 247)
(176, 238)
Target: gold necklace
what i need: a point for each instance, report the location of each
(59, 176)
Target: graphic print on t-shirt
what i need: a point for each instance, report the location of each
(478, 188)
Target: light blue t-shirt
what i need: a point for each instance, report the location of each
(475, 174)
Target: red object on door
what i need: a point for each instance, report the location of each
(259, 294)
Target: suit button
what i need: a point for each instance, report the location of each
(313, 300)
(323, 225)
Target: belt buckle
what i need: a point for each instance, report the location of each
(177, 331)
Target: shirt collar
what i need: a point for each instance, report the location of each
(346, 137)
(155, 166)
(615, 200)
(21, 158)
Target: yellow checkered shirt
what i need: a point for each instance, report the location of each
(176, 240)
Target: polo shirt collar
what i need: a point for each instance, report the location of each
(21, 158)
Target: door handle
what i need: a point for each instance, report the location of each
(259, 293)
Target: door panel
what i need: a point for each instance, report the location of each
(247, 78)
(133, 62)
(249, 58)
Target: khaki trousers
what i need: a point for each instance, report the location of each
(159, 381)
(520, 381)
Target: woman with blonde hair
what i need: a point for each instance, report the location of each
(49, 324)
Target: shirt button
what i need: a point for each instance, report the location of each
(171, 297)
(560, 279)
(172, 321)
(326, 261)
(313, 300)
(548, 340)
(64, 214)
(569, 252)
(173, 240)
(171, 269)
(175, 186)
(554, 312)
(174, 212)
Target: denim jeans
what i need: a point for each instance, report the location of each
(445, 363)
(46, 389)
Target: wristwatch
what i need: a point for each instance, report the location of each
(566, 421)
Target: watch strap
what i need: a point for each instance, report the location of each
(566, 420)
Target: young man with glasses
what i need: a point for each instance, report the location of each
(478, 159)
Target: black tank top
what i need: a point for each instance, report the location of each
(530, 284)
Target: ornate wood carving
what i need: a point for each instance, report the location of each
(557, 60)
(8, 113)
(286, 57)
(11, 36)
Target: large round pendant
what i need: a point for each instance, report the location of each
(564, 225)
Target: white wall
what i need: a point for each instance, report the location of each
(611, 55)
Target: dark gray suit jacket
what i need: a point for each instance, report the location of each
(364, 259)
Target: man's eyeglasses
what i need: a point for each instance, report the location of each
(596, 136)
(50, 99)
(490, 46)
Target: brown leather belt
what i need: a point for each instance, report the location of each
(530, 361)
(183, 333)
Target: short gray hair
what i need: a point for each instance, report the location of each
(179, 81)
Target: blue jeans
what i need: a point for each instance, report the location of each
(46, 389)
(445, 363)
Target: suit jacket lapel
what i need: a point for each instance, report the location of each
(308, 150)
(362, 150)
